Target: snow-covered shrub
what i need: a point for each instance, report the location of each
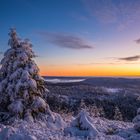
(21, 87)
(82, 126)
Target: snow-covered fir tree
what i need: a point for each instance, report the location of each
(118, 114)
(22, 89)
(136, 121)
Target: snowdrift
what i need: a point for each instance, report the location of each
(82, 127)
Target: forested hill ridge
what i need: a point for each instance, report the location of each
(99, 81)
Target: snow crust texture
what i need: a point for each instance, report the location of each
(89, 128)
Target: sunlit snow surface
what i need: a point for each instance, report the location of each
(107, 130)
(64, 80)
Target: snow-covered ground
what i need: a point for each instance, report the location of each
(105, 130)
(64, 80)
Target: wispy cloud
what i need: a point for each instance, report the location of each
(66, 40)
(122, 12)
(95, 63)
(137, 41)
(131, 58)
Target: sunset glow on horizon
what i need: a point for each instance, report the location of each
(77, 37)
(100, 70)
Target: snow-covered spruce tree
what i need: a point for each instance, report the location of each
(21, 87)
(136, 121)
(117, 114)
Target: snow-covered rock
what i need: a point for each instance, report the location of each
(22, 137)
(55, 121)
(106, 137)
(134, 137)
(10, 133)
(6, 133)
(126, 133)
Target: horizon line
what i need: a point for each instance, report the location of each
(129, 76)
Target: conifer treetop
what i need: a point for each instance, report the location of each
(22, 89)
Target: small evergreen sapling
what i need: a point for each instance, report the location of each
(118, 114)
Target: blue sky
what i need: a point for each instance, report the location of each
(81, 35)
